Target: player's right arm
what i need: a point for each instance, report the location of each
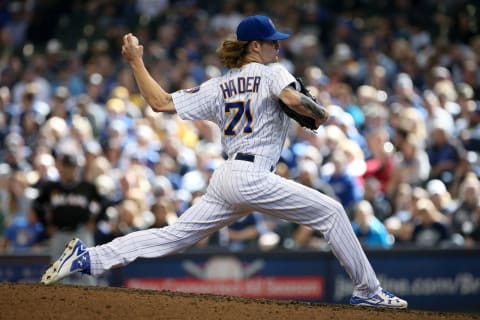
(152, 92)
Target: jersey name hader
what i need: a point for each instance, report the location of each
(239, 85)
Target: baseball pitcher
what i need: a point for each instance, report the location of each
(252, 104)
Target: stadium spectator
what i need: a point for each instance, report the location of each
(380, 163)
(406, 95)
(60, 106)
(411, 165)
(16, 153)
(44, 168)
(464, 219)
(15, 195)
(446, 156)
(24, 233)
(27, 105)
(308, 174)
(369, 229)
(342, 95)
(400, 223)
(431, 228)
(68, 207)
(382, 206)
(346, 187)
(94, 112)
(244, 233)
(436, 114)
(470, 133)
(441, 197)
(164, 212)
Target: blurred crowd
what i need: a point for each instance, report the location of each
(400, 151)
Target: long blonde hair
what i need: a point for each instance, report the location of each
(231, 52)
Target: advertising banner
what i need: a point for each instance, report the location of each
(257, 277)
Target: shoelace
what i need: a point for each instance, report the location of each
(388, 294)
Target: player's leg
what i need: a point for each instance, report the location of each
(269, 193)
(199, 221)
(292, 201)
(196, 223)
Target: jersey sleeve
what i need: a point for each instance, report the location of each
(280, 78)
(197, 103)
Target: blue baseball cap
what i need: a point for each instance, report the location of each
(258, 28)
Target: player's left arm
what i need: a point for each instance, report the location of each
(153, 93)
(304, 105)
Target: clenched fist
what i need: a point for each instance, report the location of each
(131, 49)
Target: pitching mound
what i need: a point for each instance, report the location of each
(34, 301)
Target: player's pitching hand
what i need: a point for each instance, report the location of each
(131, 48)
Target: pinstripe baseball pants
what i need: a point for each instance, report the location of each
(237, 188)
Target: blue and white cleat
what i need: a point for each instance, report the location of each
(75, 258)
(382, 299)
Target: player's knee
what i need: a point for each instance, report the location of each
(337, 207)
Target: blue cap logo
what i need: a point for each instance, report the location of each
(258, 28)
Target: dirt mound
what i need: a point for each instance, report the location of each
(34, 301)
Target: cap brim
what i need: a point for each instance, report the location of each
(278, 36)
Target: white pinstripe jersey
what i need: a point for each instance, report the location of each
(244, 104)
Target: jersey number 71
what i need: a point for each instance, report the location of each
(240, 109)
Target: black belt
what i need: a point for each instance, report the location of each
(245, 157)
(248, 157)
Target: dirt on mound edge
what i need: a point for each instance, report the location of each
(35, 301)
